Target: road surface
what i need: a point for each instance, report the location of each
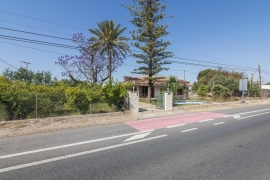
(228, 144)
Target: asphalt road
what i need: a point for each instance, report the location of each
(233, 146)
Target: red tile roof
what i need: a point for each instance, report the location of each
(141, 81)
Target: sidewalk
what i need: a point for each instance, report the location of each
(150, 111)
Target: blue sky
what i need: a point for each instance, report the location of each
(232, 32)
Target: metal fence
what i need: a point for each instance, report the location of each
(42, 106)
(160, 101)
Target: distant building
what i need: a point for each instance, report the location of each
(266, 90)
(141, 85)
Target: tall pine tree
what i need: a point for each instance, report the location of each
(147, 17)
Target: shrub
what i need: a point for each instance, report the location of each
(115, 92)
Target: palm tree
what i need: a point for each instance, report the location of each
(109, 41)
(172, 85)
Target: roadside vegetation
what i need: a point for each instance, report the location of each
(22, 99)
(221, 85)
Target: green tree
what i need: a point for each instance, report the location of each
(267, 83)
(148, 17)
(207, 74)
(80, 97)
(228, 82)
(219, 90)
(202, 91)
(29, 76)
(172, 85)
(195, 87)
(17, 98)
(115, 92)
(109, 40)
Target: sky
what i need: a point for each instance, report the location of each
(203, 34)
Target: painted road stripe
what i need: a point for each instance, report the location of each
(206, 120)
(218, 123)
(253, 115)
(77, 154)
(187, 130)
(69, 145)
(246, 113)
(227, 116)
(252, 111)
(235, 117)
(138, 136)
(176, 126)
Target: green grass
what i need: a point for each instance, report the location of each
(101, 108)
(144, 100)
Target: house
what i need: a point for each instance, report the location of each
(266, 90)
(141, 84)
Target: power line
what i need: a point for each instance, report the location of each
(73, 47)
(37, 42)
(32, 48)
(8, 64)
(67, 46)
(87, 30)
(42, 20)
(27, 32)
(31, 26)
(170, 69)
(210, 62)
(205, 65)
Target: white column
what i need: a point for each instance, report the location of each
(133, 98)
(168, 101)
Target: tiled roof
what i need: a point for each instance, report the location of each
(135, 80)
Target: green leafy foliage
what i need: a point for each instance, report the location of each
(19, 98)
(115, 92)
(172, 85)
(109, 41)
(228, 82)
(31, 77)
(195, 87)
(202, 91)
(219, 90)
(80, 97)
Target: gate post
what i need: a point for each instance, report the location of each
(168, 101)
(133, 99)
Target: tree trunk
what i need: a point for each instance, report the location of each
(149, 91)
(110, 65)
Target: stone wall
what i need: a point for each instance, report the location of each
(133, 99)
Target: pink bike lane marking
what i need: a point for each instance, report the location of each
(162, 122)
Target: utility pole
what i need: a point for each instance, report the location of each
(260, 76)
(26, 64)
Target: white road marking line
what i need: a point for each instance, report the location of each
(76, 154)
(218, 123)
(187, 130)
(69, 145)
(252, 111)
(138, 136)
(235, 117)
(227, 116)
(206, 120)
(253, 115)
(176, 126)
